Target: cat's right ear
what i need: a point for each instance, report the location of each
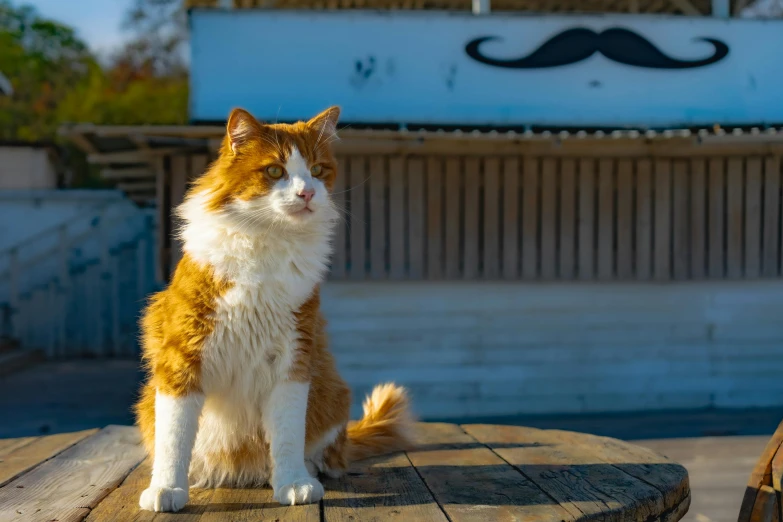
(241, 128)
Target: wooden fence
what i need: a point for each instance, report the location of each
(517, 212)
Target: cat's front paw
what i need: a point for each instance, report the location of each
(303, 490)
(166, 500)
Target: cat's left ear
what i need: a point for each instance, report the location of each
(326, 122)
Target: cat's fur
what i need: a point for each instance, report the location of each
(240, 375)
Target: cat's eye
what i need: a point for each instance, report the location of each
(274, 171)
(316, 170)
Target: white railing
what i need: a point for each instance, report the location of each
(77, 289)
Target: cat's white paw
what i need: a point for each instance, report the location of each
(166, 500)
(304, 490)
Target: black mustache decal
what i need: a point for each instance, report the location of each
(617, 44)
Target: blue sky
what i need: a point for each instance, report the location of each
(98, 22)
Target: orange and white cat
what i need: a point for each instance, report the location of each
(242, 388)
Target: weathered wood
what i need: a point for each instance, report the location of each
(771, 242)
(9, 445)
(470, 260)
(471, 483)
(530, 213)
(567, 234)
(698, 219)
(680, 220)
(356, 192)
(549, 185)
(605, 219)
(717, 218)
(586, 268)
(179, 183)
(662, 240)
(66, 487)
(380, 489)
(574, 475)
(339, 242)
(511, 218)
(255, 504)
(434, 244)
(397, 213)
(734, 239)
(492, 218)
(761, 474)
(644, 217)
(416, 218)
(122, 504)
(453, 184)
(752, 246)
(33, 451)
(378, 244)
(625, 201)
(766, 508)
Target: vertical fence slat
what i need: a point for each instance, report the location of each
(567, 235)
(698, 219)
(377, 207)
(435, 249)
(357, 194)
(753, 174)
(717, 218)
(772, 203)
(416, 217)
(548, 218)
(530, 198)
(161, 193)
(680, 224)
(397, 182)
(624, 219)
(586, 219)
(452, 182)
(339, 240)
(491, 218)
(662, 240)
(644, 209)
(471, 216)
(605, 219)
(734, 200)
(510, 218)
(179, 183)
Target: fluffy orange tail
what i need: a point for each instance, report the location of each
(386, 426)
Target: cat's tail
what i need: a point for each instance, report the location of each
(386, 426)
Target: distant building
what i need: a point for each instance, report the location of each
(25, 165)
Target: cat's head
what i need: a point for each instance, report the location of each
(274, 175)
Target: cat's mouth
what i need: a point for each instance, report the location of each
(302, 212)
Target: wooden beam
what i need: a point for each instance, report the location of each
(130, 156)
(131, 173)
(146, 186)
(686, 7)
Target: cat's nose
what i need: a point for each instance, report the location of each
(306, 194)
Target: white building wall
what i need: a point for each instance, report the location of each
(26, 168)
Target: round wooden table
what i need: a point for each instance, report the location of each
(469, 473)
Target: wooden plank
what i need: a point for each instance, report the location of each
(734, 196)
(605, 219)
(382, 488)
(772, 206)
(575, 476)
(662, 241)
(776, 470)
(761, 474)
(717, 246)
(416, 217)
(549, 218)
(680, 224)
(470, 259)
(452, 182)
(9, 445)
(179, 181)
(587, 219)
(530, 223)
(624, 259)
(491, 218)
(471, 483)
(567, 235)
(339, 242)
(511, 219)
(644, 219)
(435, 247)
(752, 247)
(198, 166)
(397, 217)
(66, 487)
(163, 264)
(377, 216)
(26, 456)
(357, 193)
(766, 508)
(255, 504)
(698, 219)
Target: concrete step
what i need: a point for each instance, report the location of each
(13, 359)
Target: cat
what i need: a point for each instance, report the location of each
(242, 389)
